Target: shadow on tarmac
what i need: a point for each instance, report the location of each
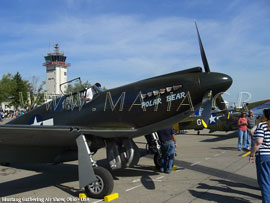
(147, 182)
(234, 184)
(250, 182)
(48, 175)
(226, 187)
(242, 182)
(216, 197)
(230, 181)
(56, 175)
(226, 148)
(219, 137)
(70, 190)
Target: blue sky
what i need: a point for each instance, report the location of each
(116, 42)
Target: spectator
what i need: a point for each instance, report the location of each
(251, 122)
(168, 144)
(242, 132)
(261, 149)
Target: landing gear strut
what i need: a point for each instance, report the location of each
(97, 181)
(154, 146)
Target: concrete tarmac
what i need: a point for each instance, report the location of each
(209, 168)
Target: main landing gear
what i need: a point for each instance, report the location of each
(154, 146)
(97, 181)
(102, 186)
(157, 162)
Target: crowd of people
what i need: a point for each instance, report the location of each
(11, 114)
(255, 135)
(245, 133)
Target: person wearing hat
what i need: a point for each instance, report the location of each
(242, 132)
(261, 149)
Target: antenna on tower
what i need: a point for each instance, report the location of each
(56, 49)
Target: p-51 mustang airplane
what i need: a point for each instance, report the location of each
(217, 122)
(223, 120)
(67, 129)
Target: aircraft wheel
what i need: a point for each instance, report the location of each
(103, 186)
(157, 160)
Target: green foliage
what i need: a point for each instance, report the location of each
(19, 91)
(77, 87)
(23, 93)
(6, 85)
(36, 93)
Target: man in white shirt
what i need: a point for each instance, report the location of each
(90, 92)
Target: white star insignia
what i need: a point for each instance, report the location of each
(212, 119)
(45, 122)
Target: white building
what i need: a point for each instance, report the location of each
(56, 71)
(5, 106)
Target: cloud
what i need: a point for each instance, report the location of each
(118, 49)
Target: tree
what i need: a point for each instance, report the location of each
(19, 91)
(77, 87)
(6, 85)
(36, 92)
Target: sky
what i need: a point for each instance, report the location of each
(116, 42)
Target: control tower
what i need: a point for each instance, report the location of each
(56, 71)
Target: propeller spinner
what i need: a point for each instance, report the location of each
(216, 80)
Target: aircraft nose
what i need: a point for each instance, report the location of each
(217, 82)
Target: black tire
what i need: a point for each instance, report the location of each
(157, 160)
(103, 186)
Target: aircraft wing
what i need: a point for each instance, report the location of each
(53, 136)
(25, 135)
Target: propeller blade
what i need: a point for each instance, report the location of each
(204, 59)
(222, 106)
(219, 102)
(207, 107)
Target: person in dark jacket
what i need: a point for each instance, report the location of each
(168, 144)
